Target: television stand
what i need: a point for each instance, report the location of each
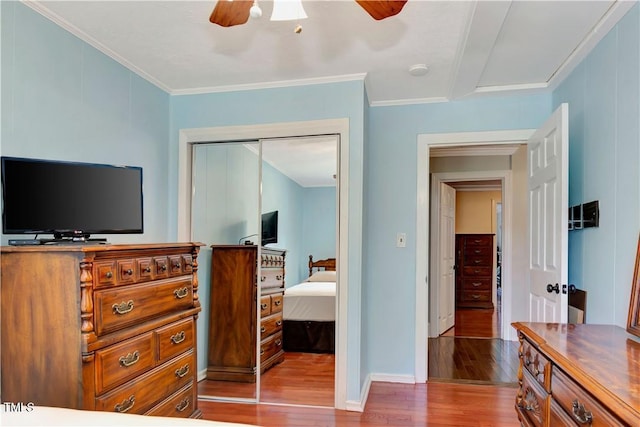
(57, 241)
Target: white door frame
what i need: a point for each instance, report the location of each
(424, 143)
(507, 196)
(189, 137)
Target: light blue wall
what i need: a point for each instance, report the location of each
(318, 228)
(314, 102)
(390, 195)
(86, 107)
(280, 193)
(64, 100)
(603, 93)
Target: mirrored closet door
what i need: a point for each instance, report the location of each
(267, 211)
(299, 183)
(225, 216)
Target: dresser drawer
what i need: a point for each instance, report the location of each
(140, 394)
(175, 339)
(532, 401)
(161, 267)
(472, 284)
(117, 308)
(121, 362)
(479, 251)
(537, 364)
(276, 303)
(145, 269)
(475, 261)
(271, 260)
(578, 404)
(479, 241)
(475, 296)
(265, 306)
(558, 417)
(270, 325)
(179, 405)
(270, 346)
(476, 271)
(271, 278)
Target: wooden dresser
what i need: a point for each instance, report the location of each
(233, 311)
(578, 375)
(101, 327)
(474, 270)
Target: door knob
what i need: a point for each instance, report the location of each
(553, 288)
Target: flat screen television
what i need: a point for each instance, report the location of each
(70, 200)
(269, 227)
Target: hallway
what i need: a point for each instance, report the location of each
(472, 351)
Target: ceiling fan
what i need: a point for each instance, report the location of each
(229, 13)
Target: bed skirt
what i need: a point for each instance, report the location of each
(309, 336)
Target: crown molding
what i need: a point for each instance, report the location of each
(56, 19)
(270, 85)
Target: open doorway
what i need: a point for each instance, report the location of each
(469, 348)
(477, 302)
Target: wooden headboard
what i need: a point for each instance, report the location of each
(328, 264)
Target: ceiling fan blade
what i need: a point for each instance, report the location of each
(381, 9)
(230, 13)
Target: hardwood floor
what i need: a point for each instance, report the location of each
(473, 360)
(476, 323)
(302, 379)
(471, 383)
(433, 404)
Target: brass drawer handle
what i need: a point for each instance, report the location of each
(478, 251)
(263, 278)
(123, 307)
(580, 413)
(178, 338)
(278, 343)
(277, 302)
(183, 405)
(180, 373)
(475, 296)
(147, 269)
(261, 351)
(263, 329)
(476, 284)
(163, 267)
(176, 265)
(278, 277)
(129, 359)
(279, 323)
(181, 293)
(108, 275)
(263, 306)
(125, 405)
(128, 271)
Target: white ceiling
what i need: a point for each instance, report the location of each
(471, 47)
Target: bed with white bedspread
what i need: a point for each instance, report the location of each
(309, 310)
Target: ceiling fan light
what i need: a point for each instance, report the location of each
(255, 11)
(287, 10)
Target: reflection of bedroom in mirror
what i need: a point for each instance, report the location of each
(260, 329)
(298, 181)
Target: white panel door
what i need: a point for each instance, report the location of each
(446, 312)
(548, 229)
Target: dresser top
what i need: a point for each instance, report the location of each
(600, 357)
(93, 247)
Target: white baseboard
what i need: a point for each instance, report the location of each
(358, 405)
(393, 378)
